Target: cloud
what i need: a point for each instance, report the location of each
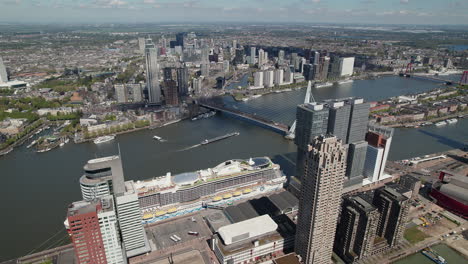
(149, 1)
(404, 2)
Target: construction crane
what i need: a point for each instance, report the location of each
(407, 71)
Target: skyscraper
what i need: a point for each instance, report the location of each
(103, 176)
(252, 55)
(346, 66)
(268, 78)
(338, 121)
(182, 80)
(261, 58)
(205, 69)
(278, 78)
(311, 121)
(136, 92)
(320, 199)
(152, 73)
(93, 229)
(3, 72)
(180, 39)
(141, 45)
(358, 120)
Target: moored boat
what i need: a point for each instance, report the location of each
(104, 139)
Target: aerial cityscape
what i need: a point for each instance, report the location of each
(233, 132)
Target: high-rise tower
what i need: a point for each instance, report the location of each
(152, 73)
(3, 72)
(320, 199)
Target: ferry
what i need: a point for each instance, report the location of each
(434, 256)
(104, 139)
(441, 123)
(321, 85)
(452, 121)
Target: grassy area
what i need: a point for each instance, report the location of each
(414, 235)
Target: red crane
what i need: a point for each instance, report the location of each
(464, 78)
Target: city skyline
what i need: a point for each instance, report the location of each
(307, 11)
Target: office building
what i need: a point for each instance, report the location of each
(311, 122)
(358, 120)
(3, 72)
(180, 39)
(252, 55)
(346, 66)
(182, 81)
(308, 72)
(93, 229)
(320, 199)
(315, 59)
(393, 207)
(152, 73)
(171, 95)
(356, 229)
(379, 140)
(258, 79)
(355, 162)
(120, 93)
(129, 216)
(279, 76)
(339, 118)
(136, 93)
(103, 176)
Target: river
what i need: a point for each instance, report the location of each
(450, 255)
(36, 188)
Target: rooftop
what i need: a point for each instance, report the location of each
(247, 229)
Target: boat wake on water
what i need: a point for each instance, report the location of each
(191, 147)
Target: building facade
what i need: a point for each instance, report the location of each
(320, 199)
(152, 73)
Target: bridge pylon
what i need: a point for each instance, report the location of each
(309, 98)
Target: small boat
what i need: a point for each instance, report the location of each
(158, 138)
(452, 121)
(104, 139)
(441, 123)
(345, 81)
(43, 150)
(194, 119)
(62, 144)
(32, 144)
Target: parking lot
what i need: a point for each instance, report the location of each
(160, 234)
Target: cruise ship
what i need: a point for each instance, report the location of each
(231, 180)
(104, 139)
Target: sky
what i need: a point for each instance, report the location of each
(432, 12)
